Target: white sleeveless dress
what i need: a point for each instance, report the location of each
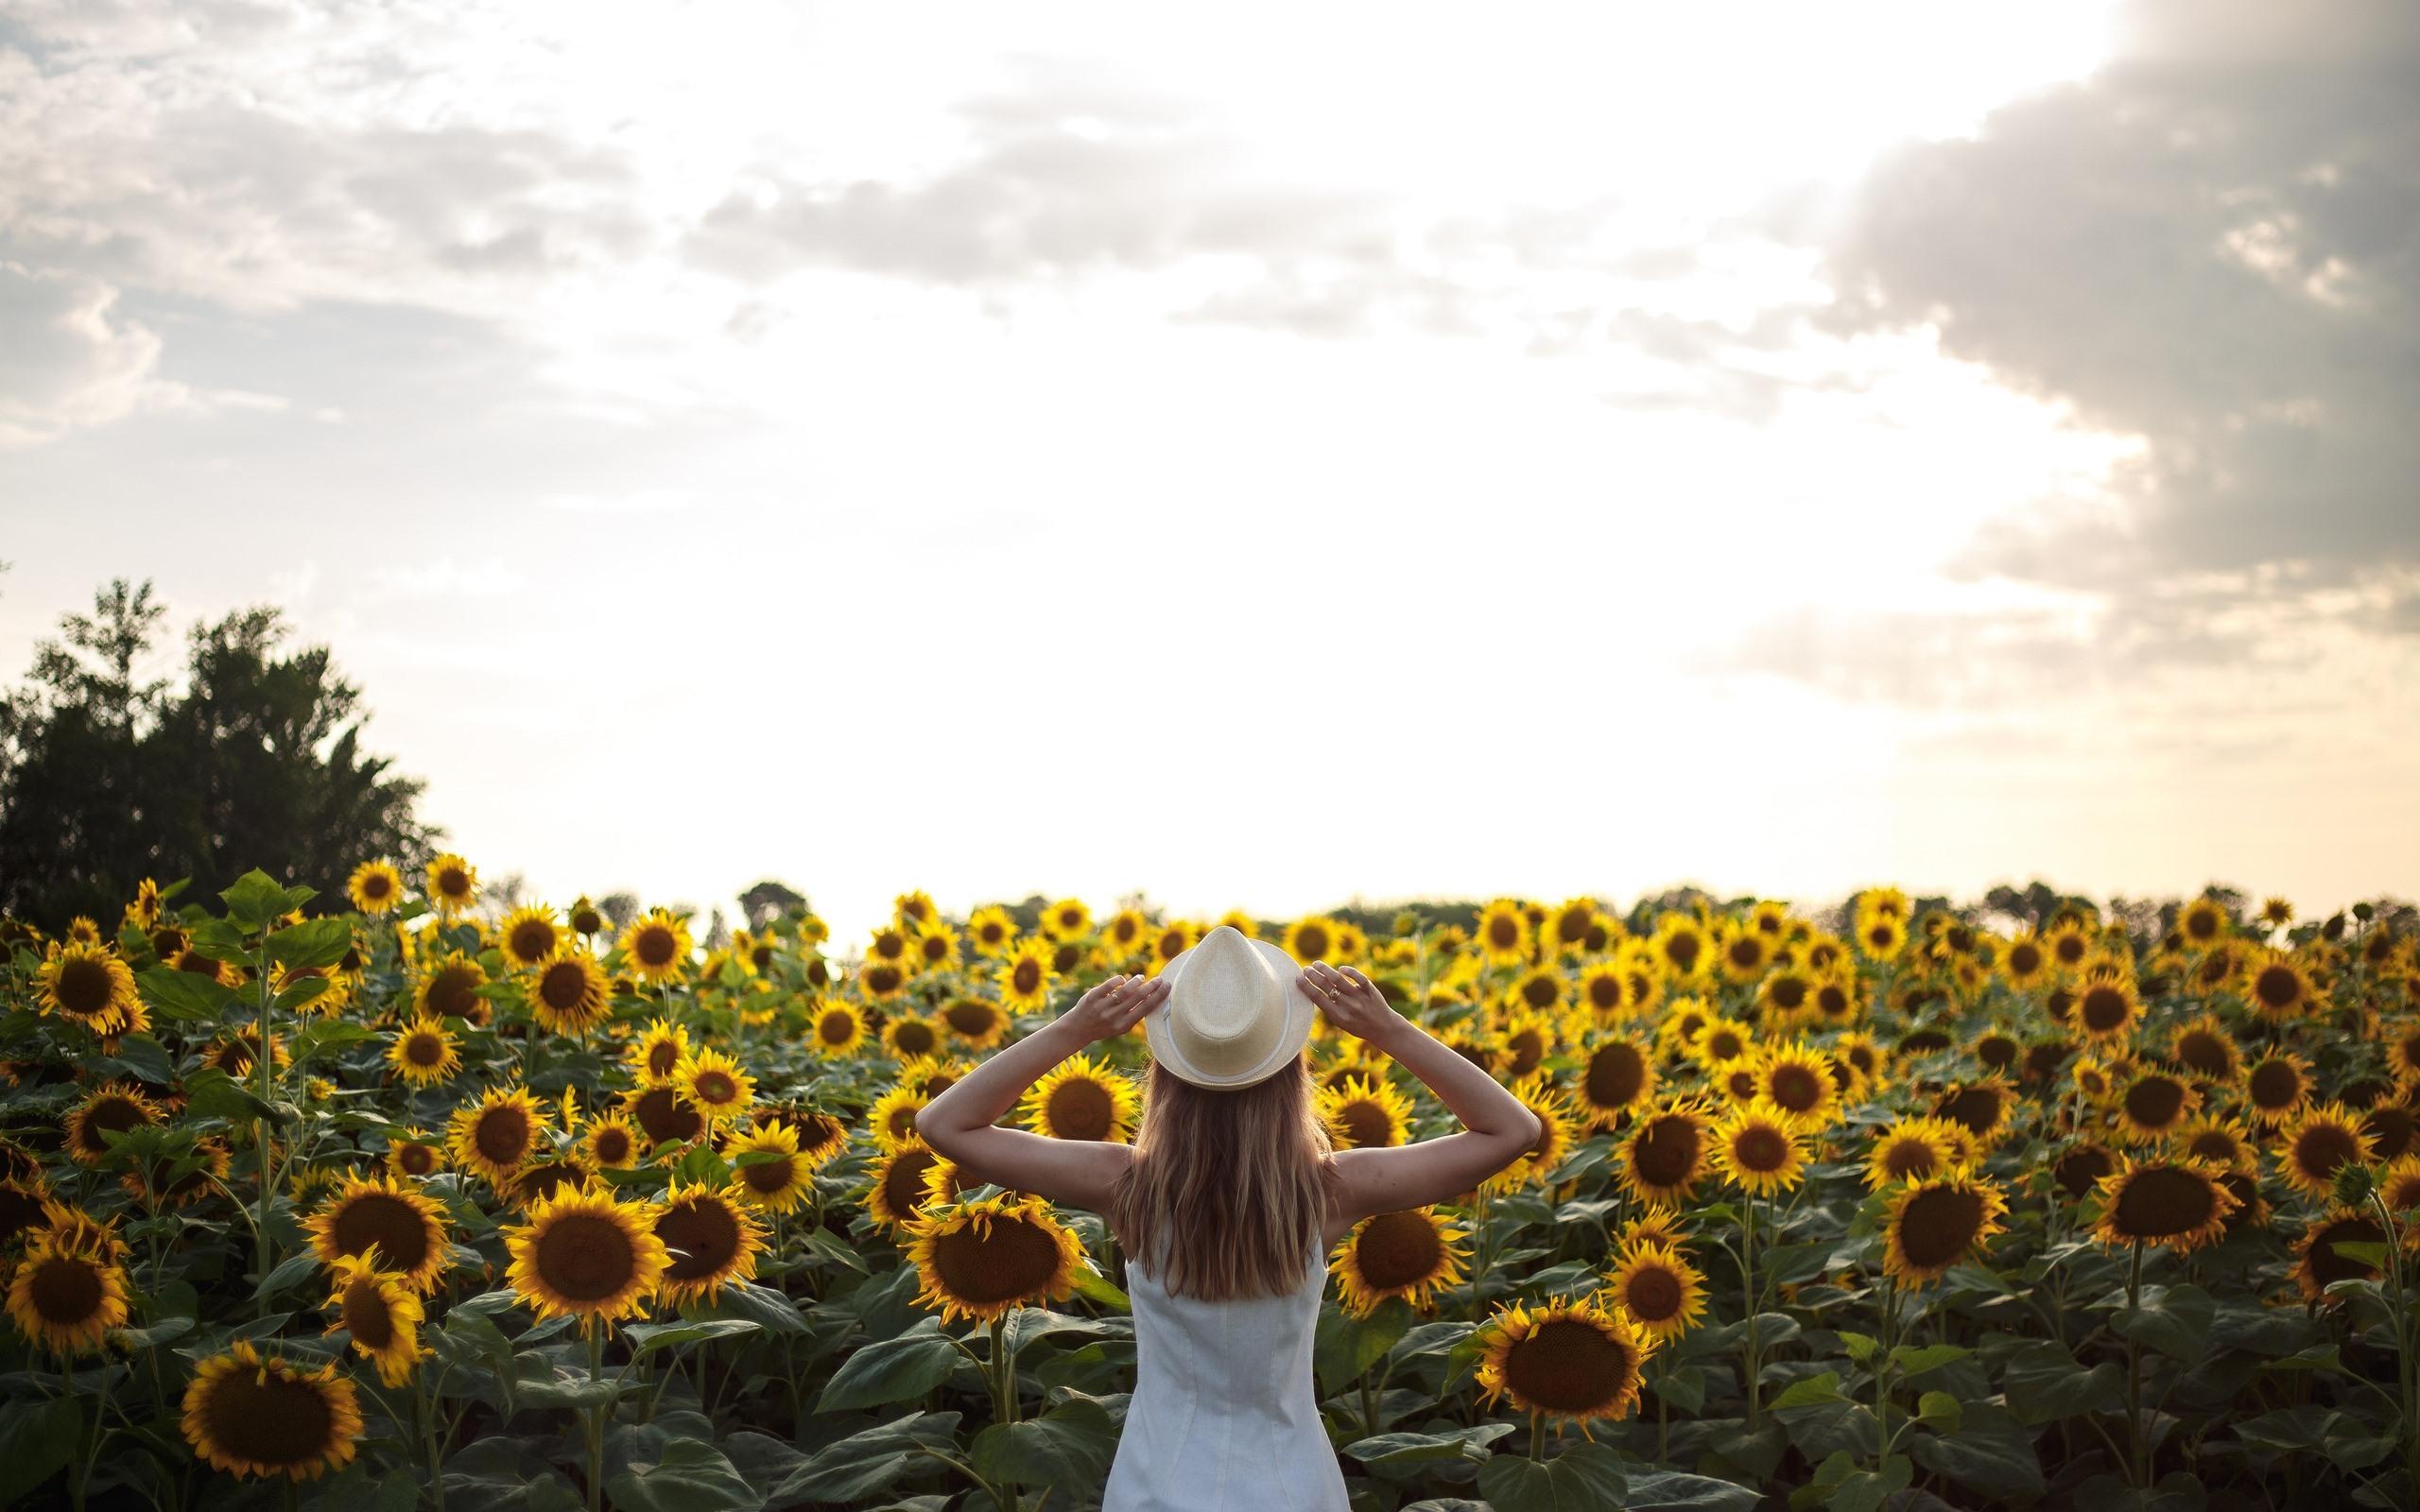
(1225, 1417)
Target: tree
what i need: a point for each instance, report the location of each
(767, 901)
(109, 775)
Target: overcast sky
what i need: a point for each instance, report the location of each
(1263, 455)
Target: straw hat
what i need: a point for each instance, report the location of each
(1235, 1012)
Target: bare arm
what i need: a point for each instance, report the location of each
(1498, 1128)
(960, 1123)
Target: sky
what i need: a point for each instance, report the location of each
(1261, 457)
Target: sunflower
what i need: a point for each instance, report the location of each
(1796, 1080)
(2107, 1010)
(378, 1309)
(497, 1134)
(897, 1191)
(529, 934)
(2154, 1106)
(236, 1053)
(2179, 1202)
(2220, 1140)
(2277, 1087)
(251, 1416)
(2318, 1264)
(1526, 1037)
(714, 1084)
(1619, 1076)
(1666, 1154)
(1981, 1107)
(657, 1054)
(534, 1183)
(1412, 1254)
(991, 930)
(1661, 1291)
(2276, 985)
(2400, 1186)
(839, 1030)
(1574, 1359)
(905, 1036)
(610, 1142)
(66, 1295)
(407, 1229)
(588, 1255)
(1881, 937)
(1910, 1150)
(1363, 1111)
(1558, 1129)
(2320, 1141)
(453, 885)
(193, 963)
(781, 1178)
(1067, 919)
(1024, 978)
(1719, 1041)
(449, 988)
(1081, 1098)
(93, 985)
(1756, 1150)
(2203, 923)
(1936, 1221)
(1789, 998)
(164, 1185)
(569, 992)
(892, 1117)
(656, 946)
(106, 1110)
(2205, 1049)
(979, 1259)
(412, 1155)
(710, 1241)
(1743, 954)
(975, 1023)
(423, 1054)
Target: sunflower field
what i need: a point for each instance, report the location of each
(402, 1200)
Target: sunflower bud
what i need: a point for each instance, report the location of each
(2353, 1184)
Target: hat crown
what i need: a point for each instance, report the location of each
(1226, 991)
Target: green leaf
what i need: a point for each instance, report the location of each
(313, 1038)
(1866, 1491)
(1862, 1348)
(646, 1338)
(35, 1440)
(1343, 1345)
(312, 942)
(2175, 1320)
(255, 901)
(305, 990)
(691, 1477)
(1812, 1392)
(2044, 1384)
(1671, 1491)
(1990, 1455)
(1938, 1411)
(892, 1369)
(1412, 1449)
(138, 1056)
(290, 1272)
(761, 1305)
(1912, 1360)
(866, 1464)
(212, 1094)
(1094, 1286)
(186, 996)
(1027, 1324)
(2369, 1253)
(1584, 1478)
(1068, 1447)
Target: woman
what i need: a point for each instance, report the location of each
(1228, 1202)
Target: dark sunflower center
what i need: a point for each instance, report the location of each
(1905, 1158)
(666, 1118)
(563, 987)
(546, 1180)
(1747, 950)
(914, 1038)
(1365, 1123)
(2024, 959)
(111, 1115)
(84, 987)
(1016, 1258)
(1666, 1152)
(2212, 1144)
(1503, 932)
(969, 1016)
(532, 939)
(502, 1135)
(1569, 1365)
(2201, 1051)
(769, 1177)
(366, 1313)
(1528, 1050)
(585, 1257)
(67, 1289)
(1789, 992)
(453, 992)
(2328, 1266)
(1978, 1108)
(1653, 1295)
(654, 946)
(2391, 1127)
(714, 1088)
(1760, 1148)
(1027, 976)
(196, 963)
(612, 1144)
(1795, 1086)
(2278, 987)
(663, 1058)
(1938, 1225)
(375, 886)
(2162, 1201)
(1615, 1073)
(2104, 1008)
(2319, 1150)
(902, 1182)
(837, 1028)
(1081, 1109)
(1997, 1052)
(417, 1160)
(1541, 991)
(1396, 1250)
(1723, 1045)
(702, 1235)
(2275, 1084)
(1314, 942)
(422, 1050)
(2080, 1169)
(453, 883)
(387, 1221)
(2155, 1102)
(275, 1419)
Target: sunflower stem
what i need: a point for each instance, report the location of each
(1537, 1435)
(595, 1422)
(265, 1067)
(1748, 1289)
(1882, 1368)
(2141, 1466)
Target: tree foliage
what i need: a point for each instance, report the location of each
(109, 773)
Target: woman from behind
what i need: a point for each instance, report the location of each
(1228, 1202)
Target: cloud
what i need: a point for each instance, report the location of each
(2213, 243)
(70, 362)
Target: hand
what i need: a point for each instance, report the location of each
(1113, 1006)
(1351, 1001)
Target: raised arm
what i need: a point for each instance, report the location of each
(959, 1123)
(1498, 1128)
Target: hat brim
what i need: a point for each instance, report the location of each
(1300, 1011)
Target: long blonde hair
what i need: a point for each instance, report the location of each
(1230, 1188)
